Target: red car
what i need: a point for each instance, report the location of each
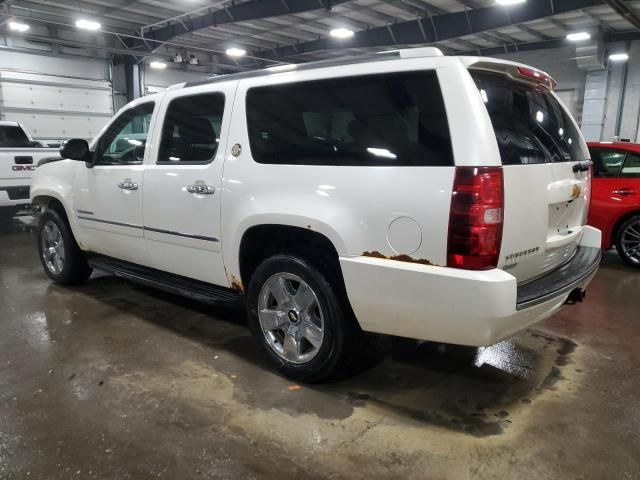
(615, 198)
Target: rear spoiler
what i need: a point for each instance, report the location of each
(515, 71)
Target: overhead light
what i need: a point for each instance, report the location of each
(236, 52)
(619, 57)
(539, 116)
(158, 65)
(506, 3)
(85, 24)
(341, 33)
(18, 26)
(578, 36)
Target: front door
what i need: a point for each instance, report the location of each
(108, 197)
(182, 184)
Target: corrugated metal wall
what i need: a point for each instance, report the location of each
(56, 98)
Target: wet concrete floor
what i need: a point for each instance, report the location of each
(115, 381)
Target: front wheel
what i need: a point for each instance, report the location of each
(628, 241)
(300, 318)
(62, 259)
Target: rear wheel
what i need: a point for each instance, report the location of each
(628, 241)
(62, 259)
(300, 319)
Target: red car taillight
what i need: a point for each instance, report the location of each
(476, 218)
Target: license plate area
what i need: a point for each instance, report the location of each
(563, 219)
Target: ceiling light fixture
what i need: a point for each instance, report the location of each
(341, 33)
(158, 65)
(507, 3)
(85, 24)
(236, 52)
(619, 57)
(578, 36)
(18, 26)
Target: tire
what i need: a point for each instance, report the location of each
(61, 258)
(628, 241)
(310, 335)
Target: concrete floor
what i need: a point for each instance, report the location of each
(113, 380)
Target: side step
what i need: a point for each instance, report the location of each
(169, 282)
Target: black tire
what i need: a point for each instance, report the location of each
(628, 241)
(341, 333)
(74, 268)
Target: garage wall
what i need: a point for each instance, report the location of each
(56, 98)
(157, 80)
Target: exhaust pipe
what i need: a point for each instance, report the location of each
(576, 295)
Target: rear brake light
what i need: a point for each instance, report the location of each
(587, 206)
(538, 76)
(476, 218)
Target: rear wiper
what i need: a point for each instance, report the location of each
(582, 166)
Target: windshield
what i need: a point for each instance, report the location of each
(530, 124)
(12, 136)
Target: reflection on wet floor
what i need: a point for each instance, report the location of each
(156, 383)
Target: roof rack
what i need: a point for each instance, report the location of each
(375, 57)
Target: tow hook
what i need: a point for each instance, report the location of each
(576, 295)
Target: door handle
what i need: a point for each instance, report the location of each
(201, 189)
(624, 192)
(128, 185)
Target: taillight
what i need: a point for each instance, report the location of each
(476, 218)
(587, 206)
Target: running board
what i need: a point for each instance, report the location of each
(169, 282)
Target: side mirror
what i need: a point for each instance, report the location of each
(75, 149)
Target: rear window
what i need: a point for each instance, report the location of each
(530, 124)
(393, 119)
(13, 137)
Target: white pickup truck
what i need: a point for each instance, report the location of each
(19, 157)
(403, 193)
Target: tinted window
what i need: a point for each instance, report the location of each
(191, 129)
(530, 124)
(13, 137)
(394, 119)
(125, 140)
(631, 166)
(607, 163)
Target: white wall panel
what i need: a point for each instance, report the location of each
(55, 97)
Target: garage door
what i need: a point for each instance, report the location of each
(55, 98)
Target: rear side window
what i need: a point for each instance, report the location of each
(12, 136)
(394, 119)
(631, 166)
(607, 163)
(530, 124)
(191, 129)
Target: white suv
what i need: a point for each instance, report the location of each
(405, 193)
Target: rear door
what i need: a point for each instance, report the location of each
(182, 183)
(546, 187)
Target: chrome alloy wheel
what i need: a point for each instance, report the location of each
(291, 318)
(52, 247)
(630, 242)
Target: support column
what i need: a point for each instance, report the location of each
(132, 79)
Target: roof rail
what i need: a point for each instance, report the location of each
(333, 62)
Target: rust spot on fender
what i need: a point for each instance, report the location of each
(399, 258)
(236, 283)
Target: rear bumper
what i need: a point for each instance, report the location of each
(459, 306)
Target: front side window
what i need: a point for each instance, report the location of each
(531, 126)
(125, 140)
(631, 166)
(395, 119)
(607, 163)
(191, 129)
